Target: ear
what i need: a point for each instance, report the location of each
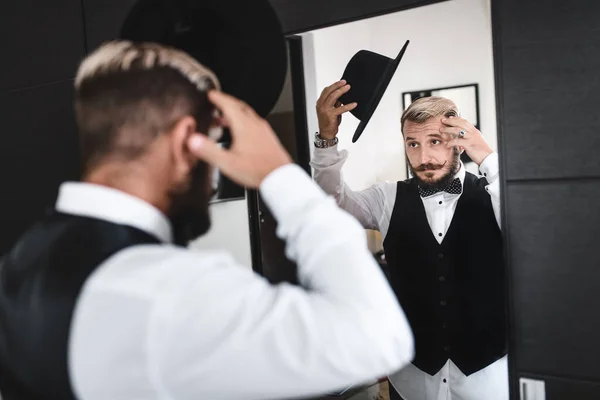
(182, 158)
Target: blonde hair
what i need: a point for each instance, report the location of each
(425, 108)
(121, 55)
(127, 94)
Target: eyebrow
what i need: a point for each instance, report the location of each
(434, 135)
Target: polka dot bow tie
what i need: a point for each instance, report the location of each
(454, 187)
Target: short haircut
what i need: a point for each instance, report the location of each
(127, 94)
(425, 108)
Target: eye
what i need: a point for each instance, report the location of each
(413, 145)
(435, 142)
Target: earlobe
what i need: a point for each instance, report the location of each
(182, 156)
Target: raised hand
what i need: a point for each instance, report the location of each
(464, 135)
(330, 109)
(255, 151)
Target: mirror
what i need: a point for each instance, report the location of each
(427, 196)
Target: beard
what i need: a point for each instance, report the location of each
(441, 182)
(189, 214)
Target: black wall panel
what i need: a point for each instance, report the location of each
(569, 389)
(41, 41)
(555, 276)
(551, 85)
(38, 151)
(305, 15)
(547, 60)
(104, 17)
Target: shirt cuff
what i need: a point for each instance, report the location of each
(489, 167)
(327, 157)
(289, 190)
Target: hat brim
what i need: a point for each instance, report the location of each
(379, 92)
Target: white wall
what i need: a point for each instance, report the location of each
(229, 231)
(451, 44)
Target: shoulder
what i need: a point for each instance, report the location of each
(151, 268)
(476, 181)
(386, 190)
(405, 186)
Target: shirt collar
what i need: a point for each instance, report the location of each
(102, 202)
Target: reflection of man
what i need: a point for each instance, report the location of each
(442, 243)
(100, 300)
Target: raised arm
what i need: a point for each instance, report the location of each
(470, 139)
(368, 206)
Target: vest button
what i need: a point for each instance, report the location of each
(442, 278)
(443, 302)
(440, 255)
(447, 348)
(444, 325)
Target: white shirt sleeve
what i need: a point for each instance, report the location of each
(217, 331)
(491, 171)
(372, 207)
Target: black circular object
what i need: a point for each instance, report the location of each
(241, 41)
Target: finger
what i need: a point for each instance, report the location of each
(229, 106)
(345, 109)
(209, 151)
(458, 122)
(454, 132)
(330, 89)
(336, 94)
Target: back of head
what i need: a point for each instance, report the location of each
(127, 94)
(426, 108)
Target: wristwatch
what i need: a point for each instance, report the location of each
(321, 143)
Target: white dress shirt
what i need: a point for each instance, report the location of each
(373, 208)
(162, 322)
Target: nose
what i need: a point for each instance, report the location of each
(424, 156)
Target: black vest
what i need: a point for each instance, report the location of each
(40, 280)
(453, 293)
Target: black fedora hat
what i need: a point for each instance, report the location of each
(369, 75)
(241, 41)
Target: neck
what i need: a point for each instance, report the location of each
(131, 178)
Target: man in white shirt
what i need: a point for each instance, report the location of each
(100, 300)
(443, 247)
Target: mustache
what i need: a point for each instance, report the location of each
(430, 167)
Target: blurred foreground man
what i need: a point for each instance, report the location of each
(101, 300)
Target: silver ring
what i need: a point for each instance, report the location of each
(461, 134)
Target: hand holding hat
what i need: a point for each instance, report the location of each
(330, 109)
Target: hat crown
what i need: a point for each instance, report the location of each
(363, 73)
